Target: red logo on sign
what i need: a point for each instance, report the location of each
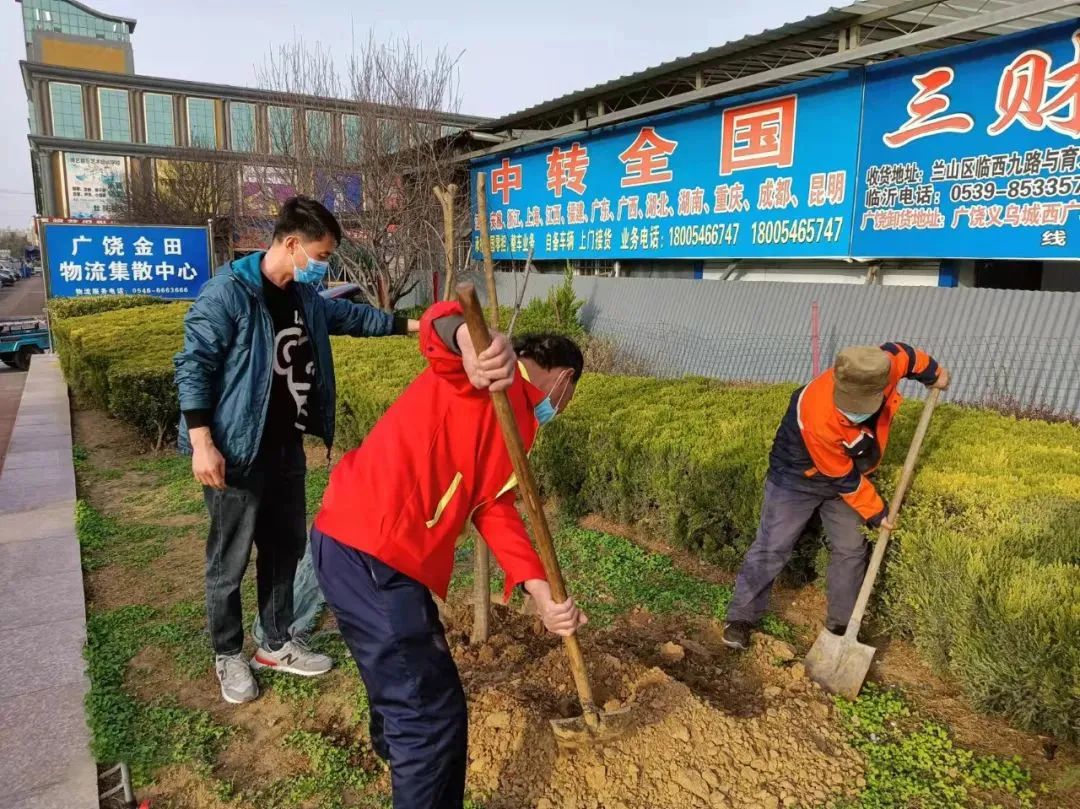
(646, 159)
(758, 135)
(567, 169)
(505, 179)
(927, 109)
(1024, 89)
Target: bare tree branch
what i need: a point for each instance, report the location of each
(187, 190)
(375, 164)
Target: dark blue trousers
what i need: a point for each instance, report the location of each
(419, 719)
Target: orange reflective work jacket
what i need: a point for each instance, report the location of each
(818, 450)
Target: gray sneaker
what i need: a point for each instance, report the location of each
(293, 658)
(237, 682)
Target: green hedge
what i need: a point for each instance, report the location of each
(985, 573)
(986, 570)
(121, 361)
(77, 307)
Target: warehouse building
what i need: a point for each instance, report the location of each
(784, 174)
(96, 125)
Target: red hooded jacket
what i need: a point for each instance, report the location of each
(435, 460)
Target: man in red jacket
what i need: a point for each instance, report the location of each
(829, 442)
(390, 519)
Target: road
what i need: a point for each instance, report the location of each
(26, 298)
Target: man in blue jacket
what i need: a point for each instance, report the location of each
(255, 375)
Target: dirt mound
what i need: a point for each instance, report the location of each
(685, 749)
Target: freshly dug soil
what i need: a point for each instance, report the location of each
(758, 736)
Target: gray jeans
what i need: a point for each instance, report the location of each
(784, 515)
(308, 603)
(263, 507)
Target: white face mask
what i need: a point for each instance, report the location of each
(857, 418)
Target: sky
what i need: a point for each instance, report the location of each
(512, 55)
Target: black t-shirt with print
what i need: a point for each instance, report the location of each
(293, 408)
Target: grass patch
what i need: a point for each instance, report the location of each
(336, 769)
(609, 575)
(182, 632)
(300, 691)
(174, 492)
(318, 478)
(147, 736)
(913, 762)
(104, 540)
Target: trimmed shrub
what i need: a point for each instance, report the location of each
(145, 397)
(371, 374)
(121, 361)
(559, 313)
(985, 570)
(984, 573)
(78, 307)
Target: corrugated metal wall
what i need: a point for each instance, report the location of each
(1003, 346)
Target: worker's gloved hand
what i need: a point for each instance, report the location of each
(495, 367)
(561, 619)
(943, 379)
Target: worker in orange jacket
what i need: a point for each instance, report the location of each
(831, 438)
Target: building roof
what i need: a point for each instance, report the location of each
(227, 91)
(837, 29)
(128, 21)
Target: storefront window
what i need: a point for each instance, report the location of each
(114, 115)
(241, 126)
(281, 129)
(67, 110)
(202, 131)
(160, 123)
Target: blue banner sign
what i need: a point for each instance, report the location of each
(969, 152)
(766, 174)
(974, 152)
(164, 261)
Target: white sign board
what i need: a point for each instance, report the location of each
(94, 184)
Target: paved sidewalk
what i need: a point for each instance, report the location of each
(45, 760)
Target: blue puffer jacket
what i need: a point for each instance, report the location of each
(227, 363)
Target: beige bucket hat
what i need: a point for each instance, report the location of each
(862, 373)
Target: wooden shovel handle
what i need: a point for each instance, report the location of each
(545, 546)
(894, 511)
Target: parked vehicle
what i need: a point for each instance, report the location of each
(22, 339)
(8, 278)
(346, 292)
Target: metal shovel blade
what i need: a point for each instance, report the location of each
(839, 664)
(592, 728)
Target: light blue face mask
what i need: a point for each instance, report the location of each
(857, 418)
(545, 411)
(311, 273)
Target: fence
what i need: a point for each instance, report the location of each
(1005, 348)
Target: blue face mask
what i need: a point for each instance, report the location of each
(545, 411)
(857, 418)
(311, 273)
